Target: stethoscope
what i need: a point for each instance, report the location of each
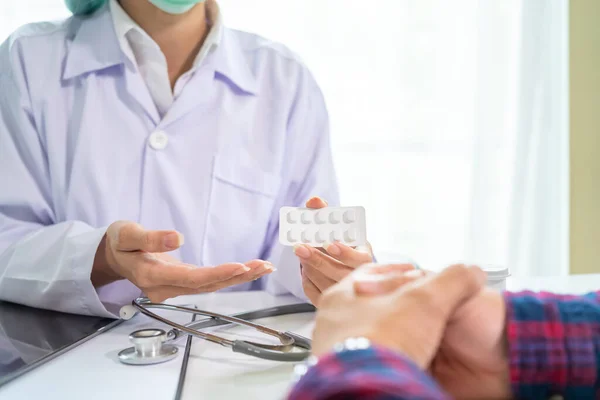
(153, 346)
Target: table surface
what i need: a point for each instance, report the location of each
(92, 370)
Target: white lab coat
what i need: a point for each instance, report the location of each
(82, 145)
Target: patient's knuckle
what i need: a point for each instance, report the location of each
(460, 270)
(427, 298)
(465, 274)
(330, 296)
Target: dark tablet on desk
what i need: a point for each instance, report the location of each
(30, 337)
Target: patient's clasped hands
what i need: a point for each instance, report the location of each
(448, 324)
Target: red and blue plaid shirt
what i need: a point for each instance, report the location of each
(554, 345)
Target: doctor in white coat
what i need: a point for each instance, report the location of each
(137, 123)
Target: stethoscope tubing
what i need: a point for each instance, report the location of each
(260, 350)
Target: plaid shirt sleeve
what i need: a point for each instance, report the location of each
(554, 349)
(554, 345)
(370, 374)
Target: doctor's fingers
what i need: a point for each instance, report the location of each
(149, 271)
(349, 256)
(317, 278)
(310, 289)
(316, 202)
(330, 267)
(161, 293)
(130, 236)
(249, 276)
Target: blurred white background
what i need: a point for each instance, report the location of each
(449, 119)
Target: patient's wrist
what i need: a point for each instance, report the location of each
(350, 344)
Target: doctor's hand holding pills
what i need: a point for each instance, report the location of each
(326, 266)
(128, 251)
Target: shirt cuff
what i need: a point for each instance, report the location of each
(554, 344)
(374, 373)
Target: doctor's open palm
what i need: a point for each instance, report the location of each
(128, 251)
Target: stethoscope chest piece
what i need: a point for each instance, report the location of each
(149, 348)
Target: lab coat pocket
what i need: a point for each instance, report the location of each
(243, 195)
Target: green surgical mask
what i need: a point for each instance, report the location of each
(175, 6)
(84, 7)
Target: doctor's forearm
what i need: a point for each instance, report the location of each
(49, 266)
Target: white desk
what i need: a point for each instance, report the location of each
(92, 371)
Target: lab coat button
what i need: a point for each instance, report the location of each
(158, 140)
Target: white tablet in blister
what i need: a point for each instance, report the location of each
(315, 227)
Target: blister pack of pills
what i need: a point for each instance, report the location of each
(315, 227)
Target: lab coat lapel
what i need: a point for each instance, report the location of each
(138, 91)
(197, 94)
(95, 48)
(226, 64)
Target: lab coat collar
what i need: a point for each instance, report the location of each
(96, 47)
(231, 63)
(227, 64)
